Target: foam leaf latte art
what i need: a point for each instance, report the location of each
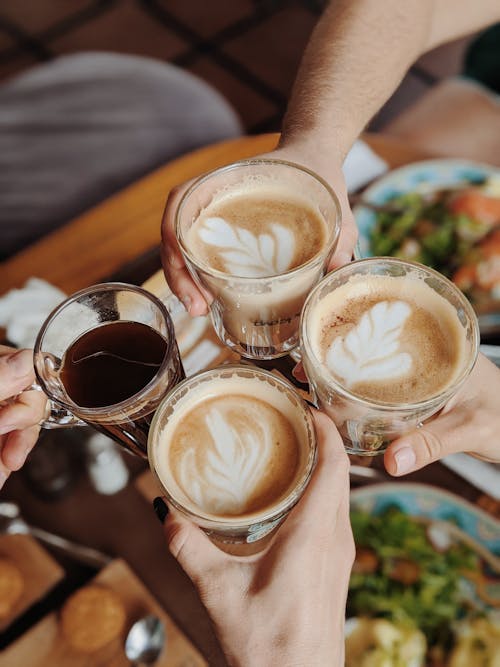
(224, 480)
(246, 254)
(370, 350)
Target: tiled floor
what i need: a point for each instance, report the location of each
(248, 49)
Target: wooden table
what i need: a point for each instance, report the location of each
(94, 247)
(100, 242)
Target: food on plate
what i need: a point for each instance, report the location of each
(478, 643)
(92, 617)
(377, 642)
(11, 586)
(402, 576)
(454, 230)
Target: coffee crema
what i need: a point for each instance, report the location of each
(257, 232)
(225, 453)
(390, 339)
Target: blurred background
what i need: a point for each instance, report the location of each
(249, 50)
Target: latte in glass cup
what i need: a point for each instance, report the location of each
(257, 236)
(257, 231)
(391, 339)
(233, 448)
(385, 344)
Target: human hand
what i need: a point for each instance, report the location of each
(180, 281)
(21, 414)
(469, 422)
(285, 605)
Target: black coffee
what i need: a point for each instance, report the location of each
(112, 363)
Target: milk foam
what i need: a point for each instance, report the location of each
(370, 350)
(249, 255)
(236, 459)
(257, 232)
(389, 338)
(225, 452)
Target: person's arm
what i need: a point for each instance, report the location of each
(355, 59)
(357, 55)
(20, 411)
(286, 605)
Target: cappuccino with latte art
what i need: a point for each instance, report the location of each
(385, 344)
(257, 233)
(257, 236)
(389, 339)
(234, 448)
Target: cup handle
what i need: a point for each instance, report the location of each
(55, 415)
(58, 417)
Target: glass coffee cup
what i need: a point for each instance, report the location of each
(385, 344)
(233, 449)
(106, 357)
(256, 236)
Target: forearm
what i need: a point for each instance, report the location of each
(357, 56)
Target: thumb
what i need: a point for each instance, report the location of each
(459, 430)
(190, 546)
(16, 372)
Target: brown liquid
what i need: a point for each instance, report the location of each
(257, 212)
(112, 363)
(248, 463)
(432, 336)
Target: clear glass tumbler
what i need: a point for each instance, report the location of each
(369, 426)
(259, 317)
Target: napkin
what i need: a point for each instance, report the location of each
(23, 311)
(484, 476)
(361, 166)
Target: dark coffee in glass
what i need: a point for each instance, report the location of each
(107, 356)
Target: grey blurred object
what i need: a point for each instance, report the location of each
(145, 641)
(53, 466)
(12, 523)
(491, 351)
(367, 475)
(105, 466)
(78, 128)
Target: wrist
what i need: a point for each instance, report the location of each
(311, 646)
(326, 163)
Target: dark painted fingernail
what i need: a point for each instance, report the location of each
(160, 508)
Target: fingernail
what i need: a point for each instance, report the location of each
(3, 479)
(160, 508)
(405, 460)
(21, 362)
(186, 300)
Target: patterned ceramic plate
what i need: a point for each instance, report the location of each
(427, 503)
(421, 177)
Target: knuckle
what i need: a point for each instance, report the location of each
(429, 445)
(176, 538)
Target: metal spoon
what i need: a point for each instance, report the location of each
(12, 523)
(145, 641)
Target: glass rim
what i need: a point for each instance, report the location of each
(316, 259)
(105, 287)
(240, 522)
(336, 385)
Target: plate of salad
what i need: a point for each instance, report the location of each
(425, 585)
(445, 214)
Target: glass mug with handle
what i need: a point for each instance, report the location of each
(106, 356)
(385, 344)
(256, 236)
